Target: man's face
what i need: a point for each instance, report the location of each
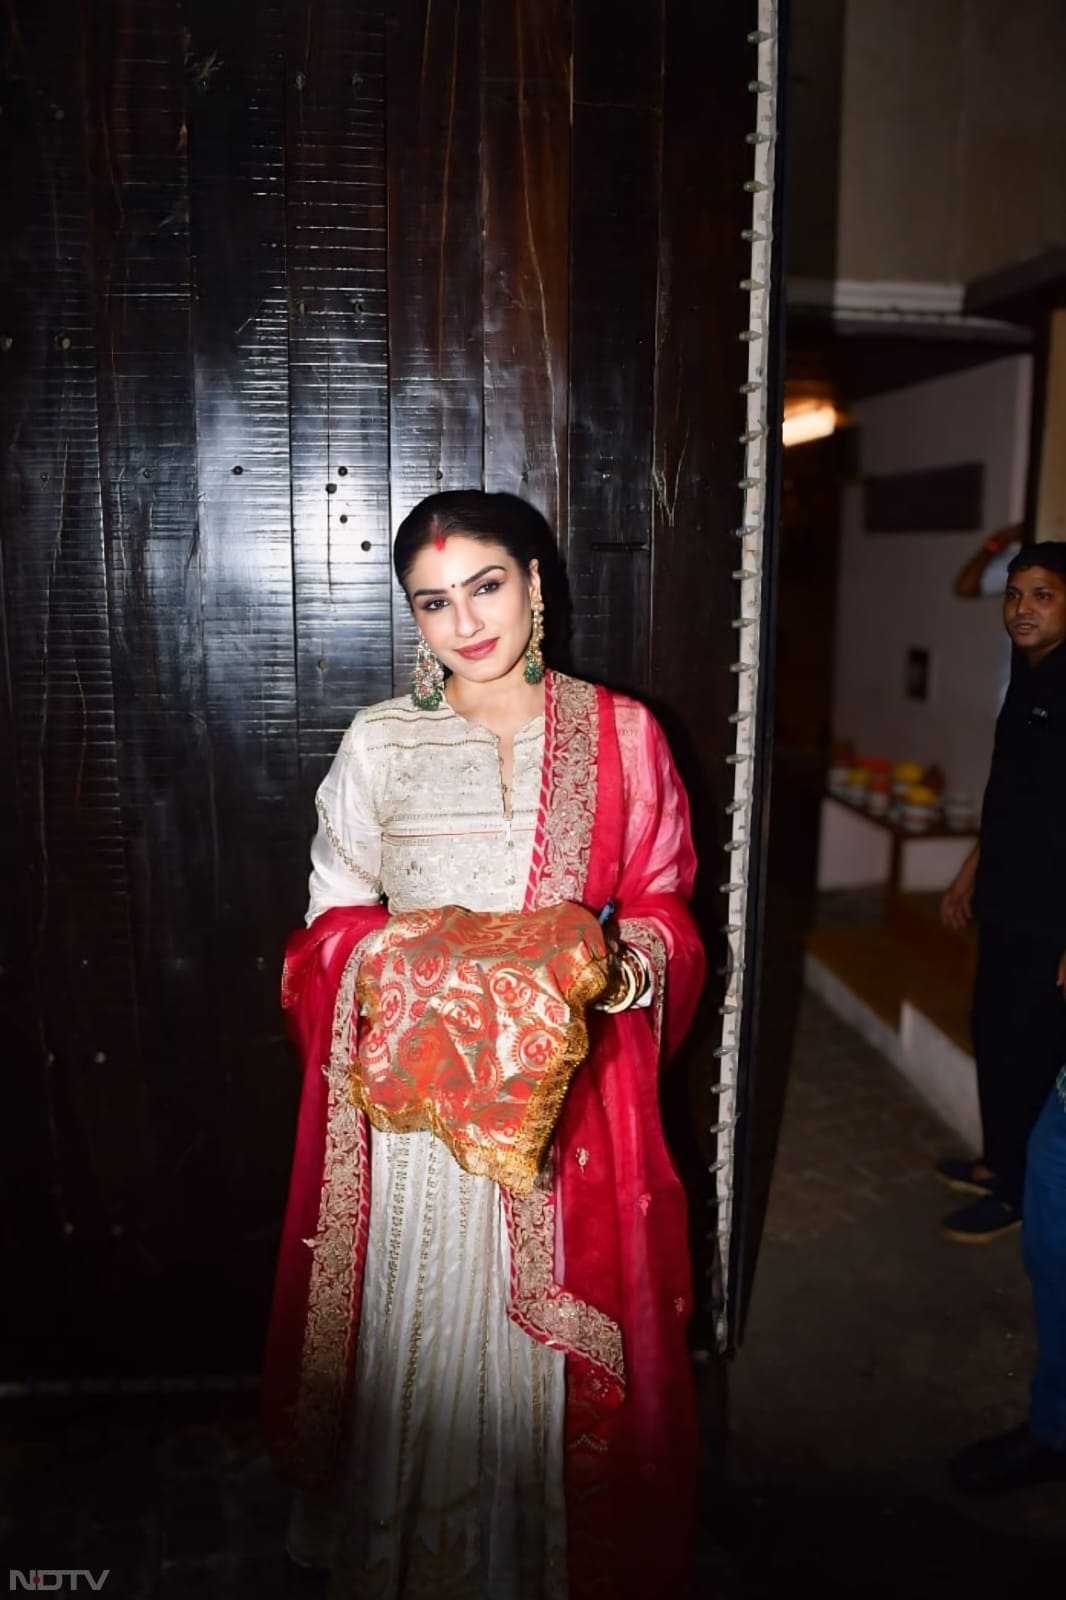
(1034, 611)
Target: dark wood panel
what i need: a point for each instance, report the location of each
(612, 316)
(435, 255)
(613, 268)
(147, 432)
(700, 413)
(526, 186)
(274, 272)
(698, 462)
(335, 208)
(618, 51)
(80, 1130)
(243, 549)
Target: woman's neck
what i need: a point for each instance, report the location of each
(504, 705)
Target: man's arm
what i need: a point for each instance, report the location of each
(968, 584)
(956, 908)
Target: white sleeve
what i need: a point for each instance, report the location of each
(346, 850)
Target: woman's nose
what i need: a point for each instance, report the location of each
(466, 623)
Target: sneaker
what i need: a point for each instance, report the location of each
(981, 1221)
(959, 1175)
(1009, 1461)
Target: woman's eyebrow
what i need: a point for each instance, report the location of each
(495, 567)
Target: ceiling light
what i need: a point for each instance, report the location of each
(806, 420)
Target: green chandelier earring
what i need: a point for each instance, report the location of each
(427, 687)
(533, 671)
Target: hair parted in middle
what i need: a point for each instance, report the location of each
(501, 519)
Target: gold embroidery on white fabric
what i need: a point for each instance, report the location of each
(399, 1153)
(443, 833)
(345, 855)
(414, 1347)
(466, 1183)
(482, 1378)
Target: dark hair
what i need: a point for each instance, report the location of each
(1049, 554)
(501, 519)
(490, 518)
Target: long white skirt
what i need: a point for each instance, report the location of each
(455, 1483)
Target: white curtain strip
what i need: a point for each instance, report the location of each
(748, 576)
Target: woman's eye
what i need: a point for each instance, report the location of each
(489, 586)
(434, 605)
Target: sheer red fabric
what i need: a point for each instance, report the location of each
(315, 960)
(633, 1467)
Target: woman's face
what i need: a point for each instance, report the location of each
(473, 605)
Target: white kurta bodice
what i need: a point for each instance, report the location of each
(413, 808)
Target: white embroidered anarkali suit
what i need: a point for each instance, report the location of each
(454, 1485)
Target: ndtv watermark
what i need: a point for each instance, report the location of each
(52, 1579)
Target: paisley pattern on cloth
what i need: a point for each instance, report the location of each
(472, 1024)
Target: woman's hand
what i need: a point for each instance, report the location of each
(628, 978)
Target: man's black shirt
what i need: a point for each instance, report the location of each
(1021, 876)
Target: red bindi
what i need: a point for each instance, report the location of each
(438, 541)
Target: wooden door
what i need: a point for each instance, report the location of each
(274, 271)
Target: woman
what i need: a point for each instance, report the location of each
(491, 1389)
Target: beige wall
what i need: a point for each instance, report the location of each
(952, 151)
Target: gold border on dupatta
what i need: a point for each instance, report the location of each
(539, 1305)
(645, 934)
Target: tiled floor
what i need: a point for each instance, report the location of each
(852, 1138)
(873, 1350)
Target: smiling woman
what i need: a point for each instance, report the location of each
(486, 1383)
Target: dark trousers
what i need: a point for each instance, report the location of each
(1019, 1039)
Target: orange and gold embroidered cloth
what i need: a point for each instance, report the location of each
(472, 1024)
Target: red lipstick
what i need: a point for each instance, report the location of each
(475, 652)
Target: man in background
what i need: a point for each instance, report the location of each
(1014, 881)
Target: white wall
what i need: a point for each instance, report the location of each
(895, 590)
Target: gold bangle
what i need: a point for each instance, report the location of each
(623, 1000)
(641, 970)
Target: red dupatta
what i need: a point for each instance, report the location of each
(614, 825)
(314, 1316)
(599, 1257)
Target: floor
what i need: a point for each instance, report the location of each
(894, 949)
(873, 1350)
